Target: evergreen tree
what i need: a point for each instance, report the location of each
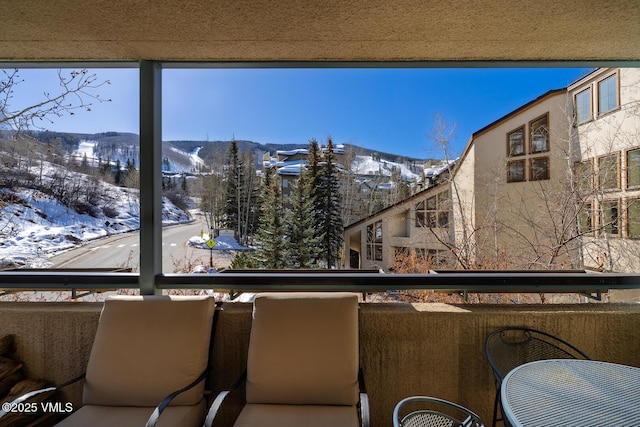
(249, 197)
(232, 178)
(184, 184)
(328, 202)
(117, 174)
(301, 225)
(272, 252)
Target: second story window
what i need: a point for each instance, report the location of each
(583, 106)
(515, 141)
(434, 211)
(608, 94)
(540, 134)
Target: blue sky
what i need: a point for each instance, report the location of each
(389, 110)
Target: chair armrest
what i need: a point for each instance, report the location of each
(364, 400)
(364, 410)
(33, 393)
(217, 402)
(153, 419)
(215, 407)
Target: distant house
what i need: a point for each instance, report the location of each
(421, 223)
(554, 184)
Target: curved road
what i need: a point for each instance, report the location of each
(123, 251)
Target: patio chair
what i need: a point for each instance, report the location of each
(434, 412)
(149, 357)
(509, 347)
(302, 365)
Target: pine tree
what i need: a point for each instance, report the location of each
(117, 175)
(328, 202)
(301, 225)
(232, 178)
(272, 252)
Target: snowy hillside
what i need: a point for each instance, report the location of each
(174, 159)
(34, 223)
(366, 165)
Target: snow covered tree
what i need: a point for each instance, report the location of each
(272, 252)
(301, 225)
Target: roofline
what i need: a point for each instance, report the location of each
(395, 205)
(519, 109)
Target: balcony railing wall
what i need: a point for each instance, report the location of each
(431, 349)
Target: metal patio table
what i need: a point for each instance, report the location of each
(571, 393)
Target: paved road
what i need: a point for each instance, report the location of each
(123, 251)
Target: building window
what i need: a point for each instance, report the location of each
(633, 218)
(608, 94)
(583, 175)
(585, 219)
(374, 241)
(610, 217)
(434, 211)
(583, 106)
(608, 172)
(515, 171)
(540, 134)
(539, 169)
(515, 141)
(633, 168)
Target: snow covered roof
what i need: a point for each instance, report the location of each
(302, 151)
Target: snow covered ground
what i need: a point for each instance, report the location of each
(35, 225)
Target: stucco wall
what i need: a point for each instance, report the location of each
(431, 349)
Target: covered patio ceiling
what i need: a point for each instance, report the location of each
(329, 30)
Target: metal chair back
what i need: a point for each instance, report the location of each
(509, 347)
(436, 413)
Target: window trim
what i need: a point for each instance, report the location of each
(524, 142)
(373, 245)
(548, 168)
(627, 217)
(615, 74)
(548, 134)
(425, 213)
(575, 103)
(618, 172)
(524, 171)
(618, 222)
(587, 207)
(592, 173)
(627, 168)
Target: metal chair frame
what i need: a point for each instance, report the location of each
(505, 353)
(435, 417)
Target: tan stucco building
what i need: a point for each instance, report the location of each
(554, 184)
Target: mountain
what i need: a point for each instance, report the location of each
(187, 155)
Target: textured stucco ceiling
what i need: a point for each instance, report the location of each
(299, 30)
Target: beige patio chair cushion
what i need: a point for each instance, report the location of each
(147, 347)
(129, 416)
(303, 350)
(296, 416)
